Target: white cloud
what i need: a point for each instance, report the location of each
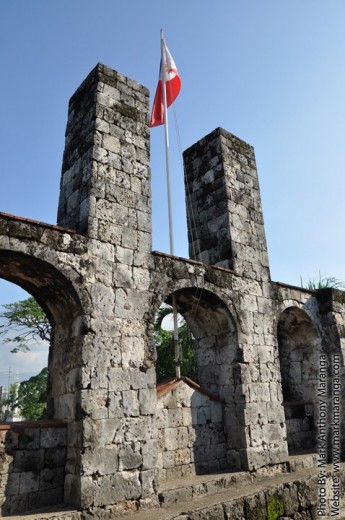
(22, 365)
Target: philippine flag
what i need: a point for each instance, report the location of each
(167, 74)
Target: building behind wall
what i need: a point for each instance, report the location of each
(7, 413)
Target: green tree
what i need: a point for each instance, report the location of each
(165, 366)
(32, 396)
(29, 397)
(24, 323)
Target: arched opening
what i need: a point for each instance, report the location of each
(199, 421)
(56, 469)
(299, 345)
(215, 333)
(165, 349)
(57, 297)
(24, 340)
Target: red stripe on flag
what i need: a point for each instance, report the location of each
(172, 87)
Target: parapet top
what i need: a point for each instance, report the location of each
(238, 144)
(109, 77)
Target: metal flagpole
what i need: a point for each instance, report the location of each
(171, 230)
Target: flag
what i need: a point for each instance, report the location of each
(167, 74)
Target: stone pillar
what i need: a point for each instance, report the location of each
(105, 195)
(105, 181)
(226, 226)
(332, 317)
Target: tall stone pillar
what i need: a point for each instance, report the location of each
(105, 196)
(226, 226)
(105, 181)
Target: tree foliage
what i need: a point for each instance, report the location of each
(24, 322)
(32, 396)
(29, 398)
(165, 366)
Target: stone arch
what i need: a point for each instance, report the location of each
(59, 299)
(215, 332)
(299, 344)
(217, 359)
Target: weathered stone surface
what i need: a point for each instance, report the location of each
(259, 344)
(189, 442)
(33, 475)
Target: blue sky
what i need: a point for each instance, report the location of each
(271, 72)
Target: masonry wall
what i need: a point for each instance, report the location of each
(320, 352)
(232, 320)
(101, 286)
(32, 466)
(191, 438)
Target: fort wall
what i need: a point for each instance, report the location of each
(258, 343)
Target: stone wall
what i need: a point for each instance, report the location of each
(32, 465)
(191, 438)
(299, 344)
(231, 319)
(101, 287)
(300, 426)
(241, 496)
(311, 328)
